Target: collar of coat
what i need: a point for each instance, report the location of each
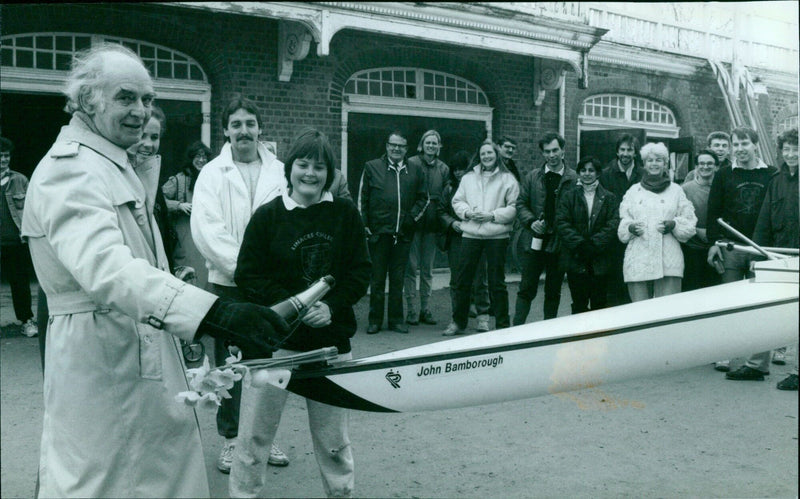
(225, 158)
(79, 130)
(388, 162)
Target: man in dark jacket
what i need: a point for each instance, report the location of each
(392, 199)
(617, 177)
(508, 147)
(539, 196)
(777, 226)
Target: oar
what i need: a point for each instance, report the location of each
(746, 239)
(749, 250)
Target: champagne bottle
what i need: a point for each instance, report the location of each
(293, 309)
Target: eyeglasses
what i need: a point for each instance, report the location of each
(396, 146)
(706, 163)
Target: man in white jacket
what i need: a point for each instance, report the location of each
(229, 189)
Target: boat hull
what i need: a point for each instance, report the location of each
(568, 353)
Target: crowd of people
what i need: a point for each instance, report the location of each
(109, 246)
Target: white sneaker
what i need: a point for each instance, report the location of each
(30, 329)
(722, 366)
(483, 323)
(452, 329)
(277, 457)
(226, 455)
(779, 356)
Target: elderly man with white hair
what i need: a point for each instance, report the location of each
(112, 426)
(655, 217)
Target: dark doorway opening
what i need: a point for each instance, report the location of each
(32, 122)
(366, 139)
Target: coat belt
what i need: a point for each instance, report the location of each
(72, 302)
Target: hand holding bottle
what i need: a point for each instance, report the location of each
(318, 315)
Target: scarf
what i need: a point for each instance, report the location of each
(589, 188)
(655, 183)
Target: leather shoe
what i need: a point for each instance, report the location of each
(788, 383)
(746, 373)
(411, 318)
(398, 328)
(426, 317)
(373, 329)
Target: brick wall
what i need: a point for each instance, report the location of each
(239, 55)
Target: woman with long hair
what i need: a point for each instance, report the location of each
(485, 205)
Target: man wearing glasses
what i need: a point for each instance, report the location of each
(392, 199)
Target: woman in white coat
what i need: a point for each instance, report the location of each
(655, 217)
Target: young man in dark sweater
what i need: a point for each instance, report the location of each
(736, 196)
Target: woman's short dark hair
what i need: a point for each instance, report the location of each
(585, 161)
(459, 162)
(6, 145)
(188, 167)
(310, 143)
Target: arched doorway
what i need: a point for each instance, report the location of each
(35, 65)
(605, 117)
(413, 100)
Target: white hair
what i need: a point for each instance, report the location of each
(85, 81)
(658, 149)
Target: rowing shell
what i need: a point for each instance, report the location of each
(569, 353)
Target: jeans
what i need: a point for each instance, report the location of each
(480, 286)
(471, 251)
(533, 264)
(420, 258)
(389, 258)
(261, 413)
(14, 265)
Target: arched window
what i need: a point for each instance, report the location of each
(417, 84)
(38, 63)
(54, 51)
(625, 111)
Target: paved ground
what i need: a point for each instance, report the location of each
(688, 434)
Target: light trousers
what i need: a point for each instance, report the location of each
(259, 416)
(420, 258)
(644, 290)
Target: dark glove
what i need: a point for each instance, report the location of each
(408, 227)
(255, 329)
(669, 225)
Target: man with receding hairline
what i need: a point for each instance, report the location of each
(112, 426)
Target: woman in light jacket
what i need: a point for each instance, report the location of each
(484, 202)
(655, 217)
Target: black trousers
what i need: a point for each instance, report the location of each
(471, 252)
(228, 411)
(588, 291)
(533, 264)
(388, 257)
(14, 265)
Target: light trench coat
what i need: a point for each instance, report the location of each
(112, 427)
(654, 255)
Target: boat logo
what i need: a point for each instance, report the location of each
(393, 378)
